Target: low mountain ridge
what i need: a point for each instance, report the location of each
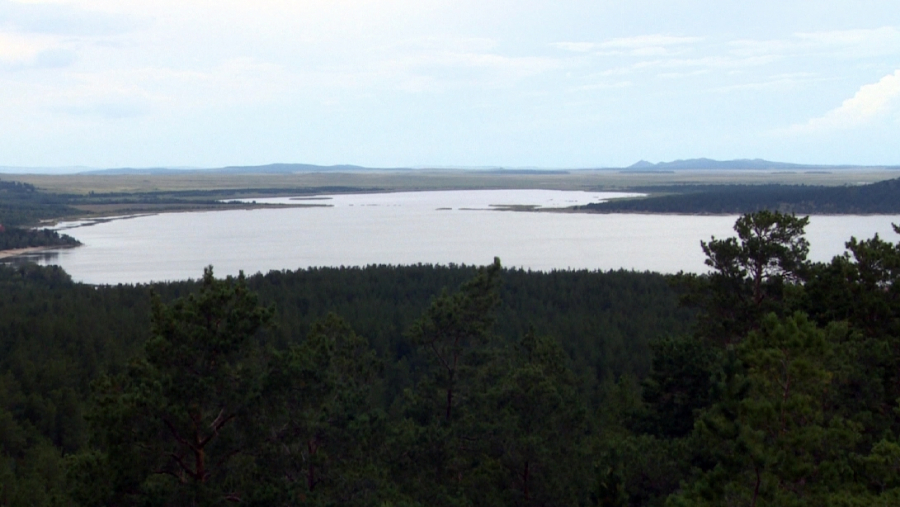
(708, 163)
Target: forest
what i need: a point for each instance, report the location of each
(770, 380)
(881, 197)
(16, 237)
(22, 204)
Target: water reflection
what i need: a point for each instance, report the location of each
(43, 257)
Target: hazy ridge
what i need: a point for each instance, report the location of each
(290, 168)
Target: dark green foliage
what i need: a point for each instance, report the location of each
(773, 437)
(58, 336)
(55, 337)
(752, 275)
(488, 423)
(322, 434)
(22, 204)
(881, 197)
(535, 429)
(861, 289)
(800, 414)
(13, 238)
(380, 386)
(604, 321)
(678, 385)
(763, 406)
(454, 329)
(442, 427)
(178, 426)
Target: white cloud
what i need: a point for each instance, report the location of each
(855, 43)
(440, 70)
(237, 81)
(870, 103)
(578, 47)
(680, 75)
(61, 19)
(106, 110)
(645, 41)
(432, 64)
(434, 43)
(777, 83)
(668, 68)
(145, 91)
(19, 51)
(641, 46)
(863, 43)
(668, 56)
(753, 48)
(603, 86)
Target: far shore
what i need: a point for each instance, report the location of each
(99, 213)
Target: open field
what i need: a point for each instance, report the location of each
(424, 179)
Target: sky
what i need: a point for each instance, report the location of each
(439, 83)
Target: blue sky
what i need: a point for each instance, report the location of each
(385, 83)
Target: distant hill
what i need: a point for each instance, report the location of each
(257, 169)
(642, 164)
(745, 164)
(289, 168)
(8, 169)
(138, 171)
(301, 168)
(294, 168)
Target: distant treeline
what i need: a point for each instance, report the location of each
(22, 204)
(877, 198)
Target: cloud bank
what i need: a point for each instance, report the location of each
(872, 102)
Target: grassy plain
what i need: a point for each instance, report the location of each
(250, 185)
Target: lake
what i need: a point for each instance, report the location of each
(461, 227)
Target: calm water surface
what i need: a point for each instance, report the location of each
(416, 227)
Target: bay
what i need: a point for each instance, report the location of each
(462, 227)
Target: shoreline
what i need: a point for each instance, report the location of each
(17, 252)
(99, 217)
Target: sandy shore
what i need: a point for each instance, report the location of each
(21, 251)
